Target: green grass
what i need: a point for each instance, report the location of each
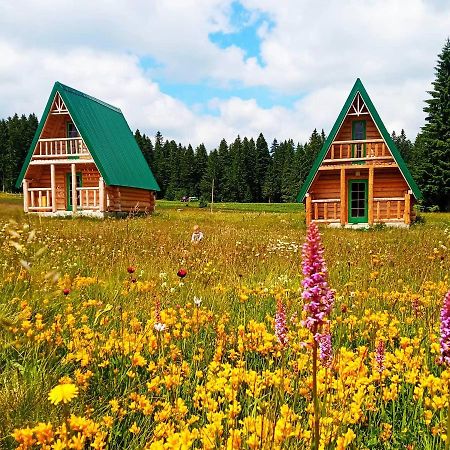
(244, 207)
(389, 285)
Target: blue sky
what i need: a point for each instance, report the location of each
(201, 70)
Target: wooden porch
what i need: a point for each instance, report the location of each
(384, 204)
(38, 196)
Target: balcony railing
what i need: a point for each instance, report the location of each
(357, 149)
(60, 148)
(88, 198)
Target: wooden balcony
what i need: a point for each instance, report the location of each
(357, 150)
(60, 148)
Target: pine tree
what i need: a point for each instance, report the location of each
(435, 181)
(404, 146)
(223, 182)
(160, 164)
(200, 168)
(262, 165)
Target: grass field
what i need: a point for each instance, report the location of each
(133, 356)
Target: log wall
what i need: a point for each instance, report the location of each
(127, 199)
(56, 126)
(345, 132)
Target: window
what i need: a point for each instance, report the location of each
(72, 131)
(359, 134)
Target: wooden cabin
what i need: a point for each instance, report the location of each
(359, 177)
(84, 159)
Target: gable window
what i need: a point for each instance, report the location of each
(358, 134)
(72, 131)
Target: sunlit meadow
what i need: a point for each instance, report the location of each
(122, 334)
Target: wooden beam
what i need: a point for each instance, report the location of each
(326, 200)
(343, 198)
(358, 141)
(53, 186)
(101, 191)
(391, 165)
(74, 188)
(370, 196)
(316, 211)
(407, 212)
(366, 158)
(308, 209)
(46, 162)
(25, 194)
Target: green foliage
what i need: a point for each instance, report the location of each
(435, 164)
(16, 134)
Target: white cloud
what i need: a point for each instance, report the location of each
(314, 49)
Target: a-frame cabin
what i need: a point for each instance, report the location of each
(359, 176)
(84, 159)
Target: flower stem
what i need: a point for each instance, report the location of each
(316, 432)
(447, 440)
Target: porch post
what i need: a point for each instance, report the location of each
(25, 195)
(53, 186)
(370, 196)
(343, 198)
(308, 209)
(407, 213)
(101, 192)
(74, 189)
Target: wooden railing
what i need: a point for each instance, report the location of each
(39, 199)
(357, 149)
(60, 148)
(326, 210)
(389, 209)
(88, 198)
(384, 209)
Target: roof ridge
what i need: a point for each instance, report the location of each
(90, 97)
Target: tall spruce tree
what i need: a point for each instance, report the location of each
(262, 165)
(435, 175)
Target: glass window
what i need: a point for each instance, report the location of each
(72, 131)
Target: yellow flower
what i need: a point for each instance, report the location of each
(134, 428)
(63, 393)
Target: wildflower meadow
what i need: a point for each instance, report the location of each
(122, 334)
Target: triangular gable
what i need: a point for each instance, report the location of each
(358, 88)
(107, 136)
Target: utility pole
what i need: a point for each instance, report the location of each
(212, 194)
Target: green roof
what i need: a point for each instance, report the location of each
(107, 136)
(359, 87)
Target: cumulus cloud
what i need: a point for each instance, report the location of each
(312, 49)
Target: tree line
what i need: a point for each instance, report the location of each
(246, 170)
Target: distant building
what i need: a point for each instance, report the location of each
(84, 159)
(359, 176)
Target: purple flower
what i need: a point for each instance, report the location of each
(318, 296)
(325, 347)
(445, 330)
(379, 356)
(280, 323)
